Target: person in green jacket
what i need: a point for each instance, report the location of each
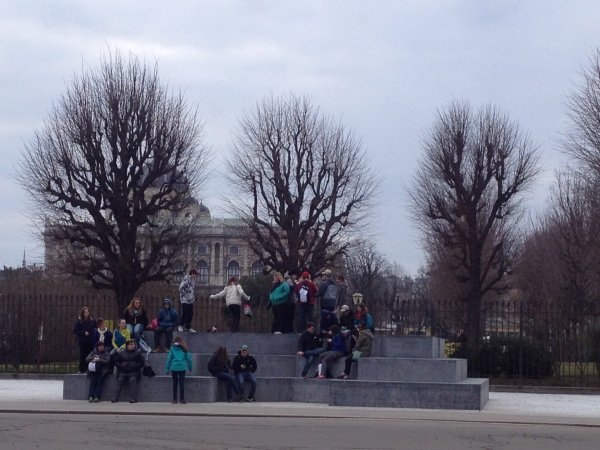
(278, 298)
(178, 360)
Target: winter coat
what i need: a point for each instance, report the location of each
(328, 293)
(167, 317)
(312, 292)
(233, 294)
(214, 367)
(130, 362)
(80, 328)
(247, 361)
(367, 319)
(103, 365)
(347, 320)
(308, 341)
(136, 317)
(120, 338)
(186, 290)
(279, 294)
(178, 359)
(105, 336)
(327, 320)
(338, 343)
(364, 343)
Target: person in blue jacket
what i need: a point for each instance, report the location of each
(179, 360)
(167, 321)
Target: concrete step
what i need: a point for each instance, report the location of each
(467, 394)
(286, 344)
(411, 369)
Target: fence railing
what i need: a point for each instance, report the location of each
(520, 343)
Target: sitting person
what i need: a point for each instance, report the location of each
(99, 367)
(347, 318)
(136, 318)
(363, 315)
(167, 321)
(244, 366)
(338, 342)
(362, 349)
(121, 335)
(309, 347)
(129, 362)
(219, 366)
(328, 319)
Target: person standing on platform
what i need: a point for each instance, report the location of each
(187, 298)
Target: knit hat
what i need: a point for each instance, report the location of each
(244, 347)
(305, 275)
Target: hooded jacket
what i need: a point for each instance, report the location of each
(364, 343)
(178, 359)
(130, 362)
(167, 317)
(233, 293)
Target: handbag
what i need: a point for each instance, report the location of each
(247, 310)
(92, 366)
(356, 354)
(148, 371)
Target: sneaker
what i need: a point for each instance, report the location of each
(182, 402)
(96, 399)
(321, 377)
(243, 400)
(132, 401)
(250, 399)
(114, 401)
(156, 350)
(277, 332)
(174, 402)
(90, 399)
(191, 330)
(180, 328)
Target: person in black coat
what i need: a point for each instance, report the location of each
(244, 366)
(83, 331)
(309, 347)
(129, 363)
(99, 367)
(219, 366)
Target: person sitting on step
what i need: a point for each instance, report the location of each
(244, 366)
(167, 321)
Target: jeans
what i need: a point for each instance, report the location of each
(178, 379)
(96, 382)
(250, 378)
(231, 382)
(187, 313)
(136, 331)
(234, 310)
(327, 359)
(158, 333)
(310, 356)
(305, 315)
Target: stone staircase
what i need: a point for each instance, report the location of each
(403, 372)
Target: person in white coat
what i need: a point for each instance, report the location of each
(234, 295)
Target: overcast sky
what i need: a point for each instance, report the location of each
(383, 67)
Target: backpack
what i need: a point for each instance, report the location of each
(331, 292)
(303, 294)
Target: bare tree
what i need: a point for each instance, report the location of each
(303, 183)
(466, 194)
(367, 269)
(115, 163)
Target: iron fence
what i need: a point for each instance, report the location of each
(520, 343)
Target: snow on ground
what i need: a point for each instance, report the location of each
(31, 390)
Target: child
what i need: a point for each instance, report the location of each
(178, 360)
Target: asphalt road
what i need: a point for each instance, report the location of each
(72, 431)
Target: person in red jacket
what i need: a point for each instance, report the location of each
(306, 292)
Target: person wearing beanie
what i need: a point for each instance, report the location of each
(244, 366)
(167, 321)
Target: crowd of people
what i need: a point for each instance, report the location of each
(341, 333)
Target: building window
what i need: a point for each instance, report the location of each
(256, 269)
(202, 269)
(233, 270)
(217, 259)
(202, 249)
(234, 250)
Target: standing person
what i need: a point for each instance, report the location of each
(309, 347)
(178, 360)
(291, 278)
(129, 362)
(244, 366)
(187, 298)
(121, 335)
(83, 331)
(99, 368)
(136, 318)
(342, 291)
(328, 291)
(219, 366)
(167, 321)
(234, 295)
(102, 334)
(278, 298)
(306, 294)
